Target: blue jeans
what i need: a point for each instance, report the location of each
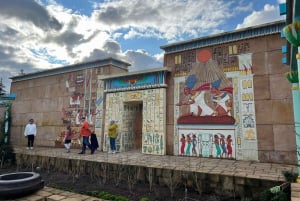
(85, 142)
(112, 142)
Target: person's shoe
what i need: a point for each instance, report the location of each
(110, 152)
(68, 150)
(113, 152)
(92, 151)
(31, 148)
(27, 148)
(81, 152)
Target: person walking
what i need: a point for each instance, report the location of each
(68, 138)
(30, 133)
(112, 134)
(85, 133)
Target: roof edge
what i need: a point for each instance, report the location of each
(225, 37)
(72, 68)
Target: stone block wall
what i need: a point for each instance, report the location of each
(206, 183)
(41, 99)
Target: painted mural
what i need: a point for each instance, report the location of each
(84, 94)
(207, 143)
(213, 88)
(205, 96)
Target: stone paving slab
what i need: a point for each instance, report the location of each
(249, 169)
(51, 194)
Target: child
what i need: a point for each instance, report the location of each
(68, 138)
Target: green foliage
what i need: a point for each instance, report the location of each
(290, 176)
(267, 195)
(246, 199)
(7, 157)
(144, 199)
(292, 76)
(277, 193)
(60, 187)
(107, 196)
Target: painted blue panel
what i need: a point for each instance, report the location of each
(297, 11)
(9, 96)
(282, 8)
(284, 60)
(283, 49)
(282, 34)
(136, 80)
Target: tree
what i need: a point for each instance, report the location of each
(2, 88)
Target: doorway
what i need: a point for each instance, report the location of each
(133, 125)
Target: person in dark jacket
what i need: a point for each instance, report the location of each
(94, 141)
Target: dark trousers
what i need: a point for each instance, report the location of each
(86, 142)
(30, 139)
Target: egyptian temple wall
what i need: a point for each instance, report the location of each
(273, 129)
(55, 101)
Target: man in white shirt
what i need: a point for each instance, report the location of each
(30, 133)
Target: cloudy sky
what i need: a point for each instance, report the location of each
(43, 34)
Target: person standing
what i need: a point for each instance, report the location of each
(85, 133)
(30, 133)
(94, 141)
(68, 138)
(112, 134)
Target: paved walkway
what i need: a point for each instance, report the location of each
(51, 194)
(247, 169)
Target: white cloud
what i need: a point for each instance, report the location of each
(268, 14)
(163, 19)
(55, 35)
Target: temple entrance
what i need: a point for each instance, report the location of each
(133, 125)
(141, 115)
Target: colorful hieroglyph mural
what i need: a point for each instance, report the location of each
(85, 94)
(211, 97)
(138, 104)
(207, 143)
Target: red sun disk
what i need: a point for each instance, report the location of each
(203, 56)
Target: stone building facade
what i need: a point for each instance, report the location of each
(220, 96)
(59, 97)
